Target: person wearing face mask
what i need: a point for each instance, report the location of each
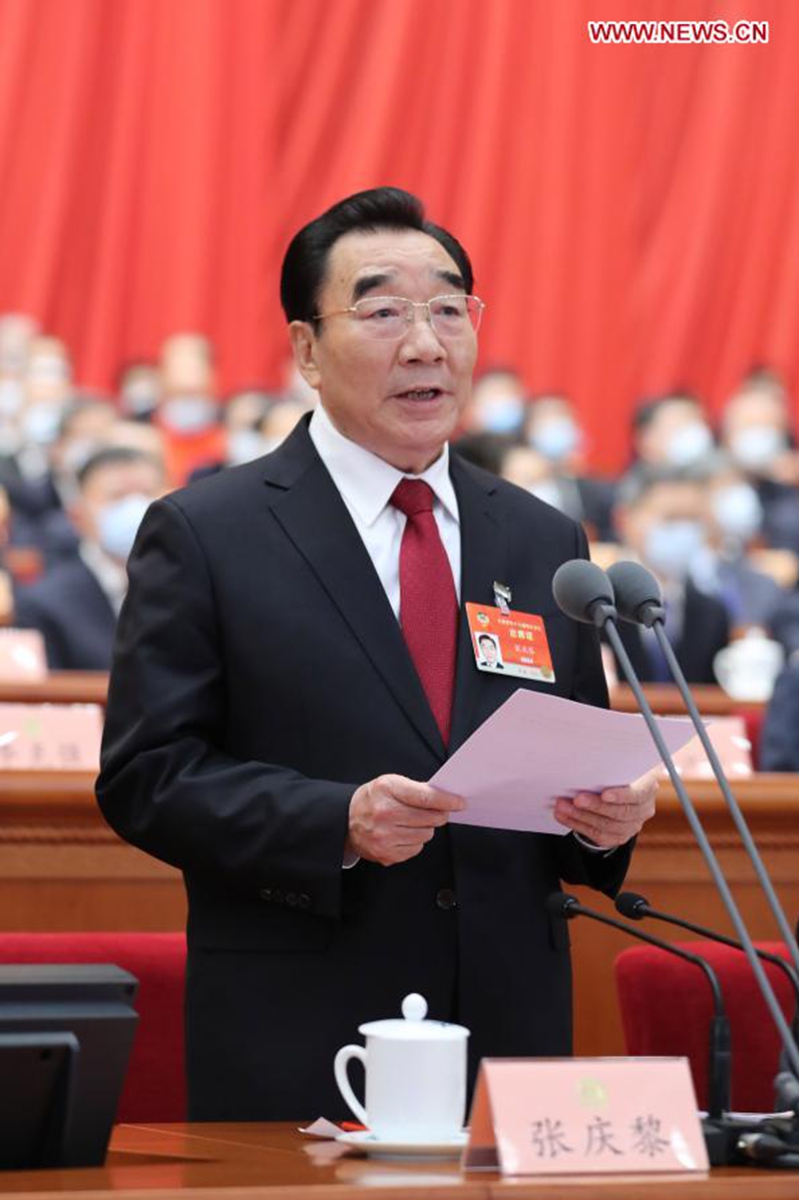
(670, 433)
(659, 517)
(188, 413)
(756, 433)
(76, 604)
(552, 432)
(734, 517)
(498, 403)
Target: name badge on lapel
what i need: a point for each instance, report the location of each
(509, 643)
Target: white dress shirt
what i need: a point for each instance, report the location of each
(366, 484)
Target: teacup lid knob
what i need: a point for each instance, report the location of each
(414, 1007)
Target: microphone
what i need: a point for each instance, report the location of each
(562, 905)
(635, 907)
(583, 591)
(638, 600)
(586, 599)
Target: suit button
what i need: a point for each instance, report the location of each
(303, 901)
(446, 898)
(291, 900)
(265, 893)
(277, 895)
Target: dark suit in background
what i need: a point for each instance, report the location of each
(704, 631)
(74, 615)
(260, 676)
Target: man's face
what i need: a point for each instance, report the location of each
(367, 384)
(488, 650)
(108, 485)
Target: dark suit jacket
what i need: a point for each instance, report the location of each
(260, 676)
(705, 631)
(74, 615)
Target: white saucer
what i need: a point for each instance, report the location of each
(377, 1148)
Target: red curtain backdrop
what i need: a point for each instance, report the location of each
(631, 210)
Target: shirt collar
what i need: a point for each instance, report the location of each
(367, 482)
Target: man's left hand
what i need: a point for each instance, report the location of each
(612, 817)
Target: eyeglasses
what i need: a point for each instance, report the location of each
(390, 317)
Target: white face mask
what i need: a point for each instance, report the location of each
(755, 448)
(118, 524)
(244, 445)
(671, 546)
(556, 439)
(189, 414)
(41, 422)
(688, 445)
(11, 393)
(737, 511)
(502, 415)
(548, 491)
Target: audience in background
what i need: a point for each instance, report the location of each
(756, 433)
(75, 604)
(139, 390)
(498, 403)
(77, 470)
(660, 519)
(670, 433)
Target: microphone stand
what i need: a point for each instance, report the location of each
(719, 1064)
(636, 907)
(603, 614)
(607, 620)
(655, 622)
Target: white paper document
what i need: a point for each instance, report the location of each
(538, 747)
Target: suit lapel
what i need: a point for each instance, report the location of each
(483, 560)
(313, 515)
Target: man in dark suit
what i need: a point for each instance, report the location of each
(76, 603)
(661, 518)
(271, 723)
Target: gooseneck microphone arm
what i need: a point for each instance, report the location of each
(583, 591)
(635, 907)
(561, 904)
(637, 594)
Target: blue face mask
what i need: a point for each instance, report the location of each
(503, 416)
(671, 546)
(118, 524)
(556, 439)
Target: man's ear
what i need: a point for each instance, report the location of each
(304, 344)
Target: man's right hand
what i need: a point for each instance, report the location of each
(392, 818)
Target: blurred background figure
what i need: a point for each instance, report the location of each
(139, 390)
(17, 330)
(188, 412)
(76, 604)
(779, 743)
(757, 433)
(553, 432)
(280, 418)
(660, 519)
(498, 403)
(723, 568)
(670, 432)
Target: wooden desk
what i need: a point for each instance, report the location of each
(245, 1162)
(60, 687)
(61, 867)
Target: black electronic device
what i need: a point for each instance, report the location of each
(66, 1032)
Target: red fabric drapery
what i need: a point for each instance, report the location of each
(630, 210)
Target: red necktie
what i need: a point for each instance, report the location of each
(428, 603)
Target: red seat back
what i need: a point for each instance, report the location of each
(666, 1007)
(155, 1086)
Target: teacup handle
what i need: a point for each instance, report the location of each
(340, 1070)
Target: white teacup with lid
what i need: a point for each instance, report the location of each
(415, 1076)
